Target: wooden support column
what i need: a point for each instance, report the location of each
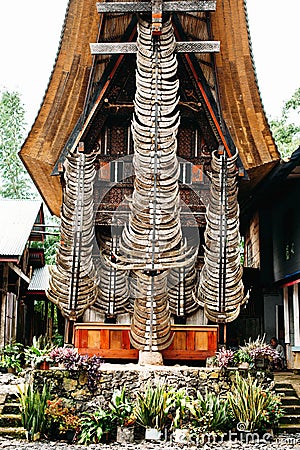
(286, 315)
(296, 314)
(69, 329)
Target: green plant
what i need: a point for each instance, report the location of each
(33, 406)
(93, 426)
(209, 413)
(179, 403)
(121, 408)
(38, 352)
(242, 356)
(11, 356)
(252, 405)
(152, 407)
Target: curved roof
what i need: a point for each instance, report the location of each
(64, 99)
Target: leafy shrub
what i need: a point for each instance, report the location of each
(209, 413)
(121, 409)
(11, 356)
(179, 403)
(93, 426)
(39, 351)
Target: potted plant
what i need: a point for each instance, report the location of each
(33, 405)
(260, 352)
(179, 412)
(243, 359)
(209, 414)
(224, 357)
(37, 355)
(61, 420)
(253, 406)
(71, 360)
(151, 410)
(94, 427)
(11, 357)
(122, 412)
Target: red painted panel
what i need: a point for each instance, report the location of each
(190, 340)
(104, 339)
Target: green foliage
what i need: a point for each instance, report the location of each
(11, 356)
(242, 356)
(285, 131)
(209, 413)
(39, 351)
(252, 406)
(14, 180)
(152, 407)
(33, 406)
(179, 407)
(121, 408)
(51, 241)
(93, 426)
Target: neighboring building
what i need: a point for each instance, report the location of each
(19, 226)
(89, 105)
(271, 220)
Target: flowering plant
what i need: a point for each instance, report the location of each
(224, 357)
(73, 361)
(67, 356)
(260, 349)
(250, 352)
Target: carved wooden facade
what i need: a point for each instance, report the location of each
(150, 123)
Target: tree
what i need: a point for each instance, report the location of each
(14, 180)
(285, 131)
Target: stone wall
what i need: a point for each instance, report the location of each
(73, 386)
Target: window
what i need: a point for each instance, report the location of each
(116, 171)
(185, 175)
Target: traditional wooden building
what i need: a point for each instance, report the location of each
(271, 221)
(19, 226)
(165, 94)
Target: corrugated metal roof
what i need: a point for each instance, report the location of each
(17, 218)
(40, 279)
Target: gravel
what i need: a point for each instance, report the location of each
(282, 442)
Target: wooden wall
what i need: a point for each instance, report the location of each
(112, 341)
(252, 244)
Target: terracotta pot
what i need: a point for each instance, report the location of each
(45, 365)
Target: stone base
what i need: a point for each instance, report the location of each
(150, 358)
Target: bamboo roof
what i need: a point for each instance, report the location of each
(64, 99)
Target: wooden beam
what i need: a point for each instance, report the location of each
(106, 48)
(133, 7)
(19, 272)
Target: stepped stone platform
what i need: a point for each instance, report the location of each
(287, 383)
